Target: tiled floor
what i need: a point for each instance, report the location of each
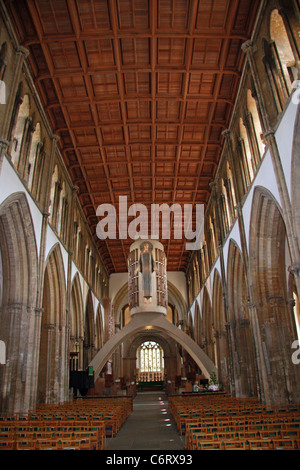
(150, 426)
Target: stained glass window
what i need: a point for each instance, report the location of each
(150, 357)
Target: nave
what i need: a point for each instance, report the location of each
(150, 426)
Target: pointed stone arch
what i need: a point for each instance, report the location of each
(197, 324)
(172, 363)
(99, 329)
(52, 378)
(220, 331)
(89, 330)
(18, 310)
(76, 320)
(207, 325)
(240, 328)
(275, 323)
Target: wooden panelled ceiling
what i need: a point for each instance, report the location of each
(139, 92)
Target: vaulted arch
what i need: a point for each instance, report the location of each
(242, 341)
(76, 321)
(208, 341)
(220, 331)
(53, 358)
(18, 309)
(99, 329)
(276, 330)
(89, 331)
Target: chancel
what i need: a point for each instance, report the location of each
(149, 225)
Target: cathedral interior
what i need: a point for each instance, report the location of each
(111, 110)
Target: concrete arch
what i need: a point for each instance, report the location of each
(148, 321)
(141, 337)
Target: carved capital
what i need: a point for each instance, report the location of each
(268, 133)
(294, 269)
(247, 46)
(226, 133)
(22, 50)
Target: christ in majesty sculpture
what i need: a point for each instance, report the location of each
(146, 268)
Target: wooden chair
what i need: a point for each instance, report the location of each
(283, 443)
(203, 444)
(7, 444)
(260, 444)
(234, 444)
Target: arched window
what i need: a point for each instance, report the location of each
(150, 358)
(52, 191)
(228, 215)
(3, 59)
(247, 163)
(33, 156)
(251, 104)
(284, 50)
(18, 132)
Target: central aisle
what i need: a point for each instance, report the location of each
(149, 427)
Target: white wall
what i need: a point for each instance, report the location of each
(10, 183)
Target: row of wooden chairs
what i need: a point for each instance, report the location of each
(287, 434)
(248, 444)
(231, 423)
(37, 434)
(78, 425)
(239, 421)
(184, 409)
